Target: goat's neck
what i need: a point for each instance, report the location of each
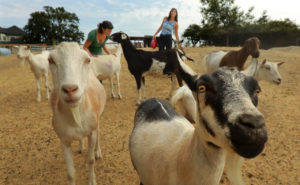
(128, 48)
(242, 54)
(252, 69)
(208, 161)
(32, 61)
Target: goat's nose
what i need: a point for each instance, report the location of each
(279, 80)
(69, 89)
(253, 121)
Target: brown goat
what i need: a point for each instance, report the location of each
(238, 58)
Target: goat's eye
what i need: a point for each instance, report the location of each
(258, 91)
(51, 61)
(201, 88)
(268, 68)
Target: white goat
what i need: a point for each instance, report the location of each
(264, 71)
(166, 149)
(77, 102)
(211, 62)
(105, 66)
(39, 66)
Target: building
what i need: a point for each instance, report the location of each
(11, 35)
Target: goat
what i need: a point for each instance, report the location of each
(265, 71)
(38, 65)
(142, 62)
(166, 149)
(184, 98)
(232, 58)
(77, 102)
(105, 66)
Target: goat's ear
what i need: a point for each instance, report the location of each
(280, 63)
(264, 62)
(191, 82)
(181, 41)
(123, 36)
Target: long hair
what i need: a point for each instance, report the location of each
(176, 17)
(105, 25)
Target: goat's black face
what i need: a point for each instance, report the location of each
(118, 37)
(227, 101)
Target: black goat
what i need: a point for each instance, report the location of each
(167, 62)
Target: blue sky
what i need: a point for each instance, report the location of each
(135, 17)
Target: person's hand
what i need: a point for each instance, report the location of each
(154, 37)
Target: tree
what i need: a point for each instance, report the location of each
(53, 25)
(192, 33)
(224, 16)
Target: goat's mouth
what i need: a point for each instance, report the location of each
(277, 82)
(249, 143)
(71, 100)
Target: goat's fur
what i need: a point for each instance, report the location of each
(77, 102)
(106, 66)
(167, 149)
(38, 65)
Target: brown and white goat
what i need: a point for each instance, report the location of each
(77, 102)
(166, 149)
(232, 58)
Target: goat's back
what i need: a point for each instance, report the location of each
(212, 61)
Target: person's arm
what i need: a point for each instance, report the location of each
(159, 29)
(86, 45)
(176, 31)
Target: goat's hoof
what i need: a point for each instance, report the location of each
(168, 98)
(98, 155)
(38, 100)
(138, 103)
(120, 97)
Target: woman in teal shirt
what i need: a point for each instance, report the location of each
(97, 39)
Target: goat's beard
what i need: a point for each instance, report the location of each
(76, 115)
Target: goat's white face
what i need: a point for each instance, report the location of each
(23, 52)
(70, 67)
(269, 71)
(226, 106)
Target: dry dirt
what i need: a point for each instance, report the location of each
(30, 152)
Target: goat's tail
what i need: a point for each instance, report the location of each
(183, 97)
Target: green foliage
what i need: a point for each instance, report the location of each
(53, 25)
(224, 24)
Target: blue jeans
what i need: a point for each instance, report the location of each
(164, 41)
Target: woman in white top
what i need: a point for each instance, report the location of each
(167, 27)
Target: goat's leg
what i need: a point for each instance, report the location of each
(91, 157)
(112, 87)
(37, 81)
(173, 86)
(47, 86)
(118, 84)
(67, 152)
(144, 88)
(138, 84)
(233, 168)
(98, 150)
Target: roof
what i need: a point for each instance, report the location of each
(13, 30)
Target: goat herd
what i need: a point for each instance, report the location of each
(218, 127)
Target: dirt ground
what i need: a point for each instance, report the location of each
(30, 152)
